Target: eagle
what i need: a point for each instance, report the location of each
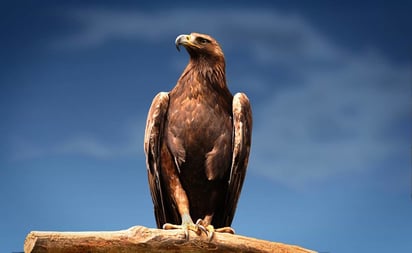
(197, 143)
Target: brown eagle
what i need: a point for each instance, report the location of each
(197, 144)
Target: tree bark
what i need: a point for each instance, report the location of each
(141, 239)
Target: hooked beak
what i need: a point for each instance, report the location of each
(183, 39)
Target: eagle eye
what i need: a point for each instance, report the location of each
(203, 40)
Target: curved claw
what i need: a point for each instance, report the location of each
(201, 227)
(210, 230)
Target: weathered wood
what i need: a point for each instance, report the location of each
(141, 239)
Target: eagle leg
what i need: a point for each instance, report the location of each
(187, 224)
(210, 230)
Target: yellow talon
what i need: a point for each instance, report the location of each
(187, 224)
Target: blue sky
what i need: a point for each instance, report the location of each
(329, 85)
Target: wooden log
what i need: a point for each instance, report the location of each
(141, 239)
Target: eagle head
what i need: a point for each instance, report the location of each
(198, 45)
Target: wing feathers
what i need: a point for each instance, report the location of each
(152, 144)
(242, 134)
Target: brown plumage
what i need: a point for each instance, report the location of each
(197, 143)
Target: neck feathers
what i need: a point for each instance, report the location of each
(207, 72)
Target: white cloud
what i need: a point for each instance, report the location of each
(236, 27)
(334, 122)
(331, 122)
(75, 145)
(93, 147)
(86, 144)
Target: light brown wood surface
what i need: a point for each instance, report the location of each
(142, 239)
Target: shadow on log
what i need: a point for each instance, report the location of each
(142, 239)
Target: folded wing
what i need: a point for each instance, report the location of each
(242, 134)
